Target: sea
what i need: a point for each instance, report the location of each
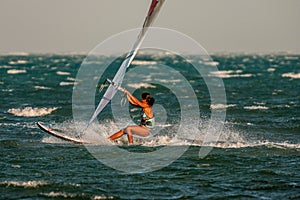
(228, 133)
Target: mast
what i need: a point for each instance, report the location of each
(153, 11)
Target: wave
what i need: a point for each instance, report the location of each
(52, 140)
(211, 63)
(140, 85)
(256, 107)
(66, 195)
(41, 87)
(16, 71)
(271, 69)
(63, 195)
(140, 62)
(5, 67)
(62, 73)
(18, 62)
(291, 57)
(280, 145)
(163, 135)
(24, 184)
(31, 112)
(291, 75)
(7, 90)
(222, 106)
(66, 83)
(71, 79)
(230, 74)
(228, 139)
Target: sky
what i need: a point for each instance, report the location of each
(77, 26)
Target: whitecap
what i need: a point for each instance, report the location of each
(16, 166)
(281, 145)
(228, 139)
(244, 75)
(7, 90)
(291, 75)
(291, 57)
(234, 145)
(221, 106)
(66, 195)
(212, 63)
(31, 112)
(192, 136)
(271, 69)
(259, 103)
(25, 184)
(71, 79)
(275, 92)
(174, 81)
(141, 62)
(102, 197)
(245, 60)
(222, 74)
(61, 195)
(5, 67)
(256, 107)
(20, 62)
(42, 87)
(62, 73)
(229, 74)
(52, 140)
(66, 83)
(16, 71)
(139, 85)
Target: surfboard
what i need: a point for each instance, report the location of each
(60, 135)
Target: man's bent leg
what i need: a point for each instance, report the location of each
(137, 130)
(117, 135)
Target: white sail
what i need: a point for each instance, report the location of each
(118, 79)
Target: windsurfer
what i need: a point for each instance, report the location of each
(147, 118)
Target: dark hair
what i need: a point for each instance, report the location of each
(145, 94)
(149, 99)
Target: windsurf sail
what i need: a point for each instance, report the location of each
(117, 80)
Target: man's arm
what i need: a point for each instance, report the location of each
(134, 101)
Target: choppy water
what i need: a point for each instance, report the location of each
(256, 156)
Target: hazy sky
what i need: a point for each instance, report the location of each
(61, 26)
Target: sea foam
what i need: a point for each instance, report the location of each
(41, 87)
(64, 83)
(25, 184)
(256, 107)
(62, 73)
(18, 62)
(291, 75)
(230, 74)
(139, 85)
(31, 112)
(229, 138)
(140, 62)
(16, 71)
(222, 106)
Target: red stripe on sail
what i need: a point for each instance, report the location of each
(153, 4)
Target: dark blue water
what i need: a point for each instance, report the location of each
(257, 155)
